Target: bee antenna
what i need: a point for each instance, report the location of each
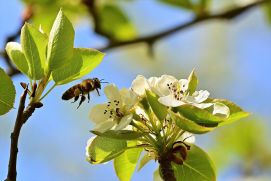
(105, 82)
(101, 79)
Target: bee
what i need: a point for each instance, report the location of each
(80, 90)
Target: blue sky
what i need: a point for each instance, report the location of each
(231, 59)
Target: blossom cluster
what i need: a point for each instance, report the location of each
(118, 112)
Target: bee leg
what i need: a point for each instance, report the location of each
(98, 92)
(75, 99)
(83, 98)
(88, 98)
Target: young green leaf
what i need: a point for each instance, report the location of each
(7, 93)
(15, 53)
(198, 115)
(159, 110)
(236, 113)
(60, 45)
(197, 166)
(188, 125)
(157, 176)
(104, 149)
(34, 47)
(186, 4)
(83, 61)
(125, 164)
(144, 160)
(192, 82)
(119, 134)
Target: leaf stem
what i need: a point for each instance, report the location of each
(48, 92)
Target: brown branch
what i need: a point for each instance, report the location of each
(151, 39)
(22, 116)
(226, 15)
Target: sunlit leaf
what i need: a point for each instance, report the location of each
(157, 176)
(198, 115)
(197, 166)
(188, 125)
(120, 134)
(15, 53)
(192, 82)
(159, 109)
(104, 149)
(186, 4)
(125, 164)
(144, 160)
(83, 62)
(236, 113)
(7, 93)
(34, 46)
(61, 39)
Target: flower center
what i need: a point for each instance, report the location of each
(113, 110)
(175, 89)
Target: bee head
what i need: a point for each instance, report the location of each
(97, 83)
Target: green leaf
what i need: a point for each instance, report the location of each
(159, 109)
(157, 176)
(236, 112)
(125, 164)
(7, 93)
(34, 48)
(83, 62)
(15, 53)
(192, 82)
(198, 115)
(61, 39)
(91, 59)
(197, 166)
(188, 125)
(119, 134)
(112, 16)
(104, 149)
(144, 160)
(267, 10)
(186, 4)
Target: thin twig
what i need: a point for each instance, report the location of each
(151, 39)
(22, 116)
(226, 15)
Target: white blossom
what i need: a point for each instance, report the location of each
(116, 113)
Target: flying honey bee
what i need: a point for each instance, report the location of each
(85, 87)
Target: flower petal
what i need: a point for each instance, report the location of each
(221, 109)
(112, 92)
(124, 122)
(161, 87)
(203, 105)
(139, 85)
(129, 97)
(170, 101)
(104, 126)
(199, 96)
(97, 113)
(183, 84)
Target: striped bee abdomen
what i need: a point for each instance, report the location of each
(70, 93)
